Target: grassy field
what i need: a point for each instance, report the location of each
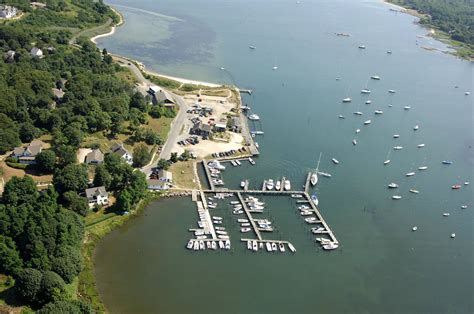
(183, 175)
(162, 126)
(126, 75)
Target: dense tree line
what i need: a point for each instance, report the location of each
(455, 17)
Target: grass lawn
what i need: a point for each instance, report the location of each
(183, 175)
(161, 125)
(126, 75)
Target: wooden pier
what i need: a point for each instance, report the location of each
(249, 216)
(246, 91)
(321, 219)
(308, 181)
(208, 175)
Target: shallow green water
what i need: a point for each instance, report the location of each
(382, 266)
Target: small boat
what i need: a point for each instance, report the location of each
(368, 122)
(330, 246)
(234, 203)
(254, 246)
(275, 68)
(220, 228)
(386, 162)
(270, 185)
(378, 112)
(392, 91)
(396, 197)
(338, 78)
(212, 206)
(466, 183)
(354, 142)
(398, 147)
(281, 247)
(416, 127)
(357, 131)
(249, 245)
(414, 228)
(287, 185)
(306, 213)
(422, 168)
(358, 113)
(414, 191)
(269, 246)
(375, 77)
(238, 162)
(253, 117)
(245, 229)
(252, 47)
(314, 198)
(420, 145)
(396, 135)
(278, 185)
(242, 220)
(274, 246)
(410, 174)
(213, 245)
(196, 246)
(445, 214)
(407, 107)
(447, 162)
(251, 161)
(365, 91)
(190, 244)
(325, 174)
(245, 224)
(368, 102)
(390, 105)
(463, 206)
(361, 46)
(227, 244)
(456, 187)
(291, 247)
(221, 232)
(341, 117)
(467, 93)
(222, 68)
(296, 195)
(310, 220)
(389, 51)
(318, 230)
(221, 244)
(348, 99)
(201, 245)
(217, 222)
(335, 161)
(393, 185)
(216, 218)
(453, 235)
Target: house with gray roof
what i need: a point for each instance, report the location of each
(27, 155)
(120, 150)
(97, 196)
(202, 129)
(157, 185)
(7, 11)
(95, 157)
(161, 96)
(35, 52)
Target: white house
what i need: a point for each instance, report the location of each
(7, 12)
(165, 176)
(157, 185)
(118, 149)
(36, 52)
(97, 196)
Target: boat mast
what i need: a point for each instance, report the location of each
(319, 160)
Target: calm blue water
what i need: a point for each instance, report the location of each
(382, 266)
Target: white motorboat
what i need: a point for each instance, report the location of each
(318, 230)
(357, 131)
(274, 246)
(201, 245)
(358, 113)
(227, 244)
(296, 196)
(196, 245)
(463, 206)
(348, 99)
(215, 164)
(422, 168)
(335, 161)
(242, 220)
(365, 91)
(445, 214)
(368, 122)
(314, 178)
(396, 135)
(397, 147)
(255, 246)
(420, 145)
(368, 102)
(416, 127)
(414, 191)
(306, 213)
(287, 185)
(275, 68)
(253, 117)
(311, 220)
(222, 68)
(396, 197)
(269, 246)
(251, 161)
(190, 244)
(252, 47)
(212, 206)
(220, 228)
(386, 162)
(453, 235)
(245, 229)
(221, 232)
(407, 107)
(303, 207)
(410, 174)
(221, 244)
(354, 142)
(378, 112)
(245, 224)
(375, 77)
(291, 247)
(270, 185)
(325, 174)
(361, 46)
(393, 185)
(278, 185)
(466, 183)
(341, 117)
(235, 203)
(213, 245)
(414, 228)
(392, 91)
(281, 247)
(330, 246)
(216, 218)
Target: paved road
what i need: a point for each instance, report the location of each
(177, 123)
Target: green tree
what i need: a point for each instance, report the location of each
(75, 203)
(138, 101)
(71, 178)
(28, 284)
(67, 262)
(141, 155)
(10, 261)
(70, 306)
(124, 201)
(45, 161)
(163, 164)
(19, 190)
(9, 137)
(53, 288)
(102, 177)
(66, 155)
(28, 132)
(174, 157)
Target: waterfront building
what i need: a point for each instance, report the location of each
(97, 196)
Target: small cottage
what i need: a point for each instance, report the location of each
(120, 150)
(35, 52)
(95, 157)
